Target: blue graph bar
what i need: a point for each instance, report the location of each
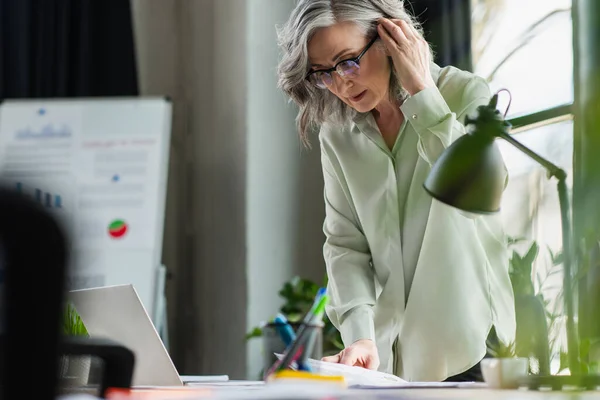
(47, 199)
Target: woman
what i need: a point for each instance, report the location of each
(416, 286)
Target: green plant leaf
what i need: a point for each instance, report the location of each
(530, 256)
(298, 295)
(564, 361)
(254, 333)
(558, 258)
(337, 343)
(72, 323)
(501, 350)
(584, 348)
(293, 318)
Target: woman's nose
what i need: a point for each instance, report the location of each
(340, 82)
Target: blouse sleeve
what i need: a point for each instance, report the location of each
(351, 286)
(436, 125)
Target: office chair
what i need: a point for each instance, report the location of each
(33, 257)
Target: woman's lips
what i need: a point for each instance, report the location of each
(359, 96)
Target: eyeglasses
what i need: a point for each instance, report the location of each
(348, 68)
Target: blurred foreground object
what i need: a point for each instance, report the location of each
(33, 257)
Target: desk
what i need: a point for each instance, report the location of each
(480, 394)
(251, 391)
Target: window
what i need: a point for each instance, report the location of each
(525, 46)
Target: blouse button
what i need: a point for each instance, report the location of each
(414, 116)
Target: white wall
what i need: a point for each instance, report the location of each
(245, 204)
(158, 43)
(273, 168)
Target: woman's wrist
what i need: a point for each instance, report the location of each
(418, 87)
(364, 341)
(358, 324)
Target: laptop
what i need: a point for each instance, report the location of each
(117, 313)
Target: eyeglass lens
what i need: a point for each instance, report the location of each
(345, 69)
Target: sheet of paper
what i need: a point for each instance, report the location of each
(360, 378)
(422, 385)
(354, 375)
(233, 385)
(191, 379)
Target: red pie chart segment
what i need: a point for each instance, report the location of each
(117, 229)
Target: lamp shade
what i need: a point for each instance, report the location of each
(469, 175)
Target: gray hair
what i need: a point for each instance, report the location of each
(318, 106)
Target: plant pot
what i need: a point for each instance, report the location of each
(504, 373)
(74, 370)
(272, 343)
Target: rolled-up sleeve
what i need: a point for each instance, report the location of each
(437, 125)
(434, 122)
(347, 257)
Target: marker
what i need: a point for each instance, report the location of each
(312, 334)
(288, 336)
(320, 293)
(284, 329)
(296, 350)
(303, 334)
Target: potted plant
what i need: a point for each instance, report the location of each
(74, 370)
(504, 369)
(536, 318)
(532, 317)
(298, 295)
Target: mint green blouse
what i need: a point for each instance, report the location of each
(423, 280)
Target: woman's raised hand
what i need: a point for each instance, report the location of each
(409, 52)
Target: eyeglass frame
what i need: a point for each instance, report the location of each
(356, 60)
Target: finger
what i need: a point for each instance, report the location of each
(348, 358)
(389, 43)
(372, 363)
(394, 30)
(406, 28)
(332, 359)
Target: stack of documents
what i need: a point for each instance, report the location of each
(357, 377)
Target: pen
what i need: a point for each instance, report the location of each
(312, 336)
(294, 351)
(288, 336)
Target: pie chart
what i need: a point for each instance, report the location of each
(117, 228)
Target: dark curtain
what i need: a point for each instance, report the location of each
(447, 26)
(66, 48)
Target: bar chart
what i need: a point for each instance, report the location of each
(48, 200)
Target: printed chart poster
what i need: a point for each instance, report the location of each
(100, 167)
(36, 156)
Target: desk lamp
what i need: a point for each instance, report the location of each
(469, 175)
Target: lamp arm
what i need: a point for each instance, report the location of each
(553, 170)
(567, 239)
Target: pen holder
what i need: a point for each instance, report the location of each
(273, 344)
